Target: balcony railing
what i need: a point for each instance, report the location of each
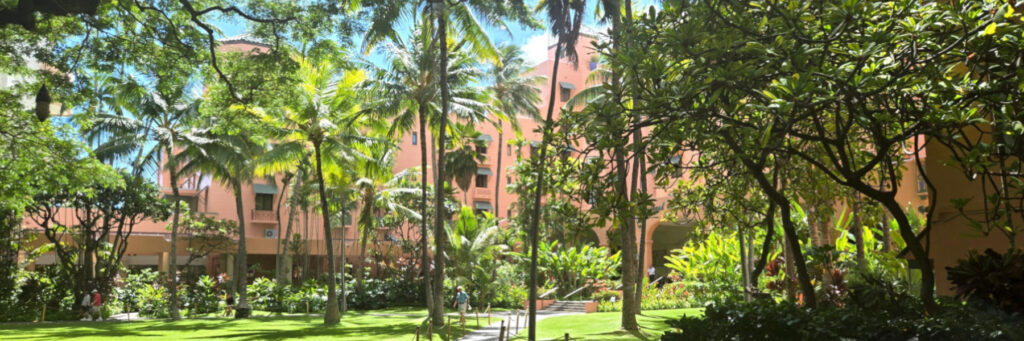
(482, 193)
(263, 216)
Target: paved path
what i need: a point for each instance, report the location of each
(490, 333)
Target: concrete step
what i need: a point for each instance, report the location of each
(568, 306)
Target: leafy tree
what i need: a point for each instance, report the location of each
(103, 211)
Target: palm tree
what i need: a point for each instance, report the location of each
(565, 16)
(230, 158)
(407, 89)
(379, 193)
(322, 120)
(160, 124)
(513, 93)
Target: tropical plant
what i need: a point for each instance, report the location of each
(474, 254)
(990, 278)
(575, 268)
(709, 266)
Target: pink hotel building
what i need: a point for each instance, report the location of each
(149, 245)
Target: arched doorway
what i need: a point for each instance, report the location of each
(667, 236)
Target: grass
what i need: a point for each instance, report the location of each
(357, 325)
(606, 326)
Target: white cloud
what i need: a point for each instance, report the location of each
(535, 51)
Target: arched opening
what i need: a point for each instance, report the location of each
(666, 237)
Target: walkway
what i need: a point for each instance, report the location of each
(490, 333)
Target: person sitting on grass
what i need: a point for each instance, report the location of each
(229, 304)
(462, 301)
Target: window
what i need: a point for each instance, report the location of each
(482, 206)
(264, 202)
(481, 180)
(508, 151)
(508, 179)
(566, 90)
(481, 149)
(414, 138)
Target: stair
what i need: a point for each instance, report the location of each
(568, 307)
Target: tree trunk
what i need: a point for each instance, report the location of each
(641, 157)
(172, 276)
(857, 227)
(241, 266)
(744, 275)
(766, 246)
(424, 214)
(440, 213)
(342, 259)
(305, 244)
(497, 181)
(331, 317)
(541, 171)
(628, 238)
(360, 266)
(278, 261)
(287, 278)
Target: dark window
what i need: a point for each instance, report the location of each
(481, 149)
(566, 94)
(508, 151)
(481, 180)
(414, 138)
(509, 214)
(264, 202)
(508, 179)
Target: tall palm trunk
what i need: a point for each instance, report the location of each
(361, 267)
(278, 261)
(497, 181)
(425, 258)
(305, 244)
(172, 272)
(287, 278)
(241, 268)
(440, 213)
(343, 299)
(332, 316)
(541, 172)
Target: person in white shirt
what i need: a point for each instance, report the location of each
(650, 275)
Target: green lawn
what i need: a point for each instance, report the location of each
(358, 325)
(606, 326)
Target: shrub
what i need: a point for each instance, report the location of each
(606, 295)
(265, 294)
(153, 301)
(310, 297)
(510, 297)
(389, 292)
(875, 311)
(991, 278)
(201, 297)
(669, 296)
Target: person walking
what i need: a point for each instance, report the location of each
(462, 301)
(86, 306)
(229, 304)
(97, 305)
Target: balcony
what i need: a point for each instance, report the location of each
(261, 216)
(482, 193)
